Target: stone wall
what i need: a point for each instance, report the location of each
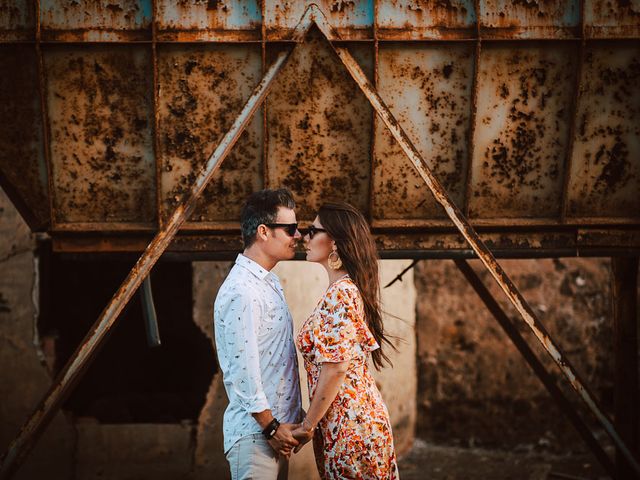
(24, 377)
(474, 387)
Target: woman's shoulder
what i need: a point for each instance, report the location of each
(343, 291)
(343, 285)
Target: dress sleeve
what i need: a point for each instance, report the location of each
(335, 331)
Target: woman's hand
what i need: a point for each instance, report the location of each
(302, 435)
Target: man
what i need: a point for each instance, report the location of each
(254, 341)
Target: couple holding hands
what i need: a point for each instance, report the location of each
(347, 418)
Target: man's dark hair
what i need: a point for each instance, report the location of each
(261, 208)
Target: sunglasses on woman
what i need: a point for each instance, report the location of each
(312, 230)
(289, 228)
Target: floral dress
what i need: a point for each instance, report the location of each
(353, 439)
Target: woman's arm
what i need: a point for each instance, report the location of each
(331, 377)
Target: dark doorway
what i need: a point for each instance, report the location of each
(128, 382)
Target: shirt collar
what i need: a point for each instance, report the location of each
(253, 267)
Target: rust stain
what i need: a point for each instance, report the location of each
(21, 153)
(605, 176)
(99, 103)
(202, 91)
(529, 18)
(429, 90)
(319, 130)
(523, 97)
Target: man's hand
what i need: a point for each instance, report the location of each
(283, 441)
(302, 436)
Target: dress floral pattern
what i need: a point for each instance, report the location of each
(354, 439)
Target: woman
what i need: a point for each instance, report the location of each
(347, 418)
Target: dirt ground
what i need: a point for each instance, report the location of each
(426, 461)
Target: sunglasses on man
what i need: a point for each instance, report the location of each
(290, 229)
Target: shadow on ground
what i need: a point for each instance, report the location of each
(426, 461)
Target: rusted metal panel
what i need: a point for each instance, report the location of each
(521, 132)
(209, 20)
(477, 244)
(425, 19)
(605, 166)
(352, 19)
(627, 238)
(612, 19)
(202, 89)
(428, 88)
(524, 241)
(529, 19)
(112, 21)
(99, 99)
(319, 129)
(77, 365)
(22, 161)
(17, 20)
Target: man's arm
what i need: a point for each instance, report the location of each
(282, 441)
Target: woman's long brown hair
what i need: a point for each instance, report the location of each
(357, 250)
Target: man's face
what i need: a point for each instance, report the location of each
(280, 245)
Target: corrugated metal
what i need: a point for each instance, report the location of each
(605, 166)
(202, 89)
(530, 18)
(112, 21)
(352, 19)
(230, 20)
(319, 129)
(425, 19)
(17, 20)
(21, 143)
(522, 130)
(99, 102)
(428, 88)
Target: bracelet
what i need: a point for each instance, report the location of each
(271, 429)
(310, 429)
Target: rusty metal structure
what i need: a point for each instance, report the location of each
(521, 118)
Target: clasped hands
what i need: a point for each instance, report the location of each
(290, 438)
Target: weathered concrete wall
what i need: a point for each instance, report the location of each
(23, 376)
(133, 451)
(209, 460)
(474, 387)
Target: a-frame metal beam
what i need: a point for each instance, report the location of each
(82, 357)
(469, 233)
(536, 365)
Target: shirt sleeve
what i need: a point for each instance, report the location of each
(239, 317)
(335, 333)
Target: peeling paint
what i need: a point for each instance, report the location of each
(319, 130)
(202, 90)
(101, 134)
(428, 89)
(605, 167)
(521, 132)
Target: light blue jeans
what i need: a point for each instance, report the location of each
(252, 458)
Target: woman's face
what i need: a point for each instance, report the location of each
(320, 246)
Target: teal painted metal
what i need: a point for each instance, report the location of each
(117, 20)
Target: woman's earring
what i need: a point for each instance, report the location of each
(334, 259)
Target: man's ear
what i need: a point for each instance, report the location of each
(262, 232)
